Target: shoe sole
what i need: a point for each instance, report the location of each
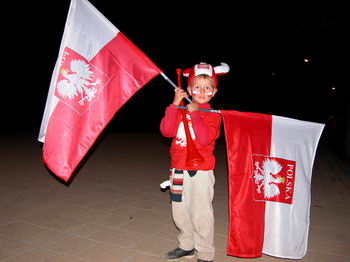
(176, 259)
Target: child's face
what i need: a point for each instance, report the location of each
(201, 90)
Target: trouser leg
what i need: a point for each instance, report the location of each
(194, 215)
(201, 213)
(181, 213)
(183, 222)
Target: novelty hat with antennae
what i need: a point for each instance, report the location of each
(206, 69)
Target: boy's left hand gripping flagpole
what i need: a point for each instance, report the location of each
(188, 99)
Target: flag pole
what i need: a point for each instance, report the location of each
(188, 99)
(175, 86)
(201, 109)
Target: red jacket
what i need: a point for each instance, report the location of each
(205, 129)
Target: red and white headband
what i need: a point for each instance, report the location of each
(206, 69)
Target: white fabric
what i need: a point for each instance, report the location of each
(222, 69)
(203, 69)
(78, 21)
(287, 226)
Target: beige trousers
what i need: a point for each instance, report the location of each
(194, 216)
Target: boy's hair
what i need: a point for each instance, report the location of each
(204, 76)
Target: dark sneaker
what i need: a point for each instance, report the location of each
(201, 260)
(179, 253)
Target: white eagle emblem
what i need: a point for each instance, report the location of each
(181, 134)
(266, 177)
(77, 82)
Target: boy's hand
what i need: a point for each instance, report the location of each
(192, 107)
(179, 95)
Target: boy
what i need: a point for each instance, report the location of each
(192, 189)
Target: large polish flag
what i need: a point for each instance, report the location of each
(98, 69)
(270, 161)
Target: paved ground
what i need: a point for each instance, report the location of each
(114, 210)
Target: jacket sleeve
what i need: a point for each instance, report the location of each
(168, 126)
(206, 130)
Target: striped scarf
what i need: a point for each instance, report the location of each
(176, 177)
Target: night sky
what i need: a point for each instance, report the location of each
(264, 45)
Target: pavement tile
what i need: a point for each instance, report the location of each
(85, 230)
(152, 205)
(143, 226)
(30, 234)
(126, 210)
(321, 257)
(159, 217)
(220, 242)
(220, 228)
(139, 257)
(9, 247)
(40, 203)
(63, 224)
(155, 246)
(114, 210)
(112, 221)
(221, 256)
(67, 210)
(63, 258)
(71, 245)
(116, 237)
(38, 217)
(80, 201)
(169, 232)
(105, 253)
(106, 206)
(329, 247)
(329, 234)
(4, 220)
(34, 255)
(91, 216)
(103, 196)
(11, 210)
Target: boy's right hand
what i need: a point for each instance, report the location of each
(179, 95)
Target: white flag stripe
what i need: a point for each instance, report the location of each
(81, 42)
(84, 27)
(286, 226)
(50, 105)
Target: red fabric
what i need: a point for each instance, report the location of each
(169, 123)
(190, 72)
(70, 135)
(206, 126)
(245, 136)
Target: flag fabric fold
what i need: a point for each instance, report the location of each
(270, 161)
(97, 71)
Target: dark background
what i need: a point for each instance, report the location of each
(265, 46)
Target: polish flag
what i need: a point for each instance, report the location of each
(270, 161)
(98, 69)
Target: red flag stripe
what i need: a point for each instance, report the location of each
(244, 138)
(69, 135)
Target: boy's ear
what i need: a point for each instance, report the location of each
(189, 90)
(214, 91)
